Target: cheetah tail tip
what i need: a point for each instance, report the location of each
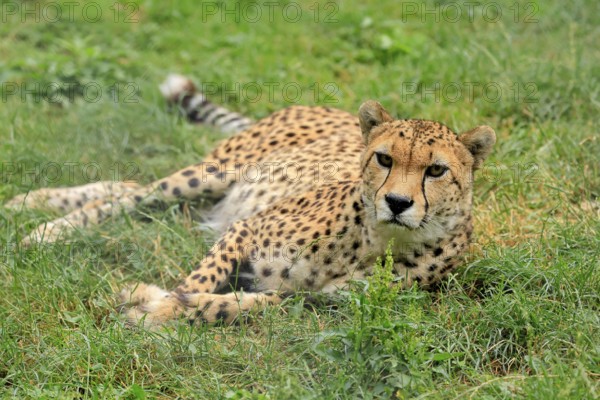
(174, 86)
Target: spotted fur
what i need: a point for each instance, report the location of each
(307, 198)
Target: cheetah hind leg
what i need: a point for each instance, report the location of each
(177, 90)
(187, 184)
(151, 307)
(65, 200)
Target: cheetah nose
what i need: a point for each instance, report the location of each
(398, 204)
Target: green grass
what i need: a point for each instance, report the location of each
(520, 319)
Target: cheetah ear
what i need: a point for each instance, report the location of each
(370, 115)
(479, 141)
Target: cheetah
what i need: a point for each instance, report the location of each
(305, 199)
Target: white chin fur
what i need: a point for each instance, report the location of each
(407, 219)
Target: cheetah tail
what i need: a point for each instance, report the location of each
(180, 90)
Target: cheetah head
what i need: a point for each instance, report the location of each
(417, 172)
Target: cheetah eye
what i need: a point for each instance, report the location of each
(436, 170)
(384, 160)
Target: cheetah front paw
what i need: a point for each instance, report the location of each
(49, 232)
(148, 305)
